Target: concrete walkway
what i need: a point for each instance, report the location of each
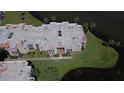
(35, 59)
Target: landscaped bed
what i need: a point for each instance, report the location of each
(36, 54)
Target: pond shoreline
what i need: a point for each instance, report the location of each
(115, 73)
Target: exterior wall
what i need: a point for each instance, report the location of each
(45, 36)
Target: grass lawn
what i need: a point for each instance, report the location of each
(14, 17)
(94, 55)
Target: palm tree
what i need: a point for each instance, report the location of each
(23, 18)
(36, 72)
(3, 54)
(1, 15)
(86, 27)
(53, 18)
(22, 14)
(111, 42)
(92, 26)
(117, 44)
(46, 20)
(76, 19)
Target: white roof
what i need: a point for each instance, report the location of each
(46, 35)
(15, 70)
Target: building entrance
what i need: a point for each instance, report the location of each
(61, 50)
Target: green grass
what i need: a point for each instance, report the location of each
(14, 17)
(94, 55)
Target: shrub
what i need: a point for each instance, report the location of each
(67, 54)
(56, 55)
(13, 57)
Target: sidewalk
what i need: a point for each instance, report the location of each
(35, 59)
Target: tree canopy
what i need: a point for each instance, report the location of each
(3, 54)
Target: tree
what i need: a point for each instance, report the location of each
(92, 26)
(22, 14)
(76, 19)
(117, 44)
(36, 72)
(111, 42)
(46, 20)
(2, 17)
(3, 54)
(53, 18)
(23, 18)
(86, 27)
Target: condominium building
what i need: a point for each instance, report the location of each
(54, 38)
